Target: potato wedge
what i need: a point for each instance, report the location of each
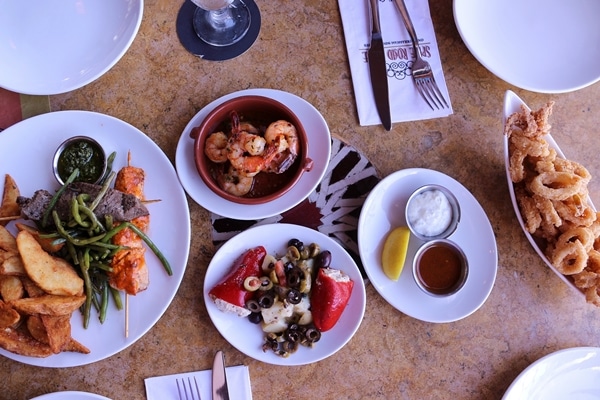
(46, 243)
(7, 241)
(11, 288)
(9, 317)
(48, 304)
(31, 288)
(36, 328)
(58, 330)
(9, 206)
(76, 347)
(21, 343)
(52, 274)
(13, 265)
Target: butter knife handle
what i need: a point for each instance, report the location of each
(407, 22)
(375, 14)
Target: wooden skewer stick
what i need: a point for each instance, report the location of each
(10, 218)
(126, 315)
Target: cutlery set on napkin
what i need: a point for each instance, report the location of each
(222, 383)
(381, 56)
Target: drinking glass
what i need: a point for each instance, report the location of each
(221, 22)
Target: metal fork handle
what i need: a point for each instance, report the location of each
(409, 25)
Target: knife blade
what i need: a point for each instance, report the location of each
(219, 378)
(378, 68)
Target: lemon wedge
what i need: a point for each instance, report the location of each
(394, 252)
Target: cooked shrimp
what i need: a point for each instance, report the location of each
(247, 162)
(235, 183)
(215, 147)
(282, 135)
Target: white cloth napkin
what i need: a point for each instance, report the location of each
(165, 387)
(406, 103)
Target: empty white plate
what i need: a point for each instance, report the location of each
(546, 46)
(51, 47)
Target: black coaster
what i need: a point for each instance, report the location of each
(196, 46)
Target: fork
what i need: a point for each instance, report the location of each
(182, 389)
(421, 70)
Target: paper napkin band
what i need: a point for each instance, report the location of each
(406, 103)
(165, 387)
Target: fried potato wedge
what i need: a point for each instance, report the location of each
(31, 288)
(46, 243)
(58, 330)
(36, 328)
(13, 265)
(7, 241)
(48, 304)
(9, 206)
(9, 317)
(52, 274)
(21, 343)
(76, 347)
(11, 288)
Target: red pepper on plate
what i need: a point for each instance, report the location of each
(329, 297)
(229, 295)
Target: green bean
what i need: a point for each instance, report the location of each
(91, 216)
(76, 215)
(56, 196)
(152, 246)
(84, 267)
(103, 191)
(104, 302)
(116, 298)
(109, 164)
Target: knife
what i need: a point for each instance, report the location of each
(378, 68)
(219, 378)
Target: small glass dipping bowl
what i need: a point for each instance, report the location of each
(81, 152)
(440, 268)
(430, 210)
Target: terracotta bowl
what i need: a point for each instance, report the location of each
(260, 112)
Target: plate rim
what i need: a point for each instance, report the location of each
(97, 124)
(199, 192)
(359, 289)
(458, 298)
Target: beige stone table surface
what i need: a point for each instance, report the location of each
(158, 86)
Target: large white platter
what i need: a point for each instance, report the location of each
(565, 374)
(247, 337)
(512, 104)
(50, 47)
(384, 210)
(26, 151)
(547, 46)
(319, 150)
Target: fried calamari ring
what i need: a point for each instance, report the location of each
(573, 167)
(569, 259)
(578, 214)
(530, 213)
(581, 234)
(556, 185)
(591, 296)
(547, 210)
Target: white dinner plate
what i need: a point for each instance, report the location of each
(70, 395)
(50, 47)
(319, 150)
(512, 104)
(248, 337)
(565, 374)
(26, 151)
(547, 46)
(384, 210)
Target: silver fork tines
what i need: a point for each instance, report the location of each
(421, 70)
(186, 391)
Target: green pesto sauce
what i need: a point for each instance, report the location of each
(83, 155)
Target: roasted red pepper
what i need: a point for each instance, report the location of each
(329, 297)
(231, 288)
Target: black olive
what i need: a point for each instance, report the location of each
(323, 260)
(313, 335)
(294, 276)
(266, 299)
(253, 305)
(296, 243)
(292, 335)
(294, 296)
(255, 317)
